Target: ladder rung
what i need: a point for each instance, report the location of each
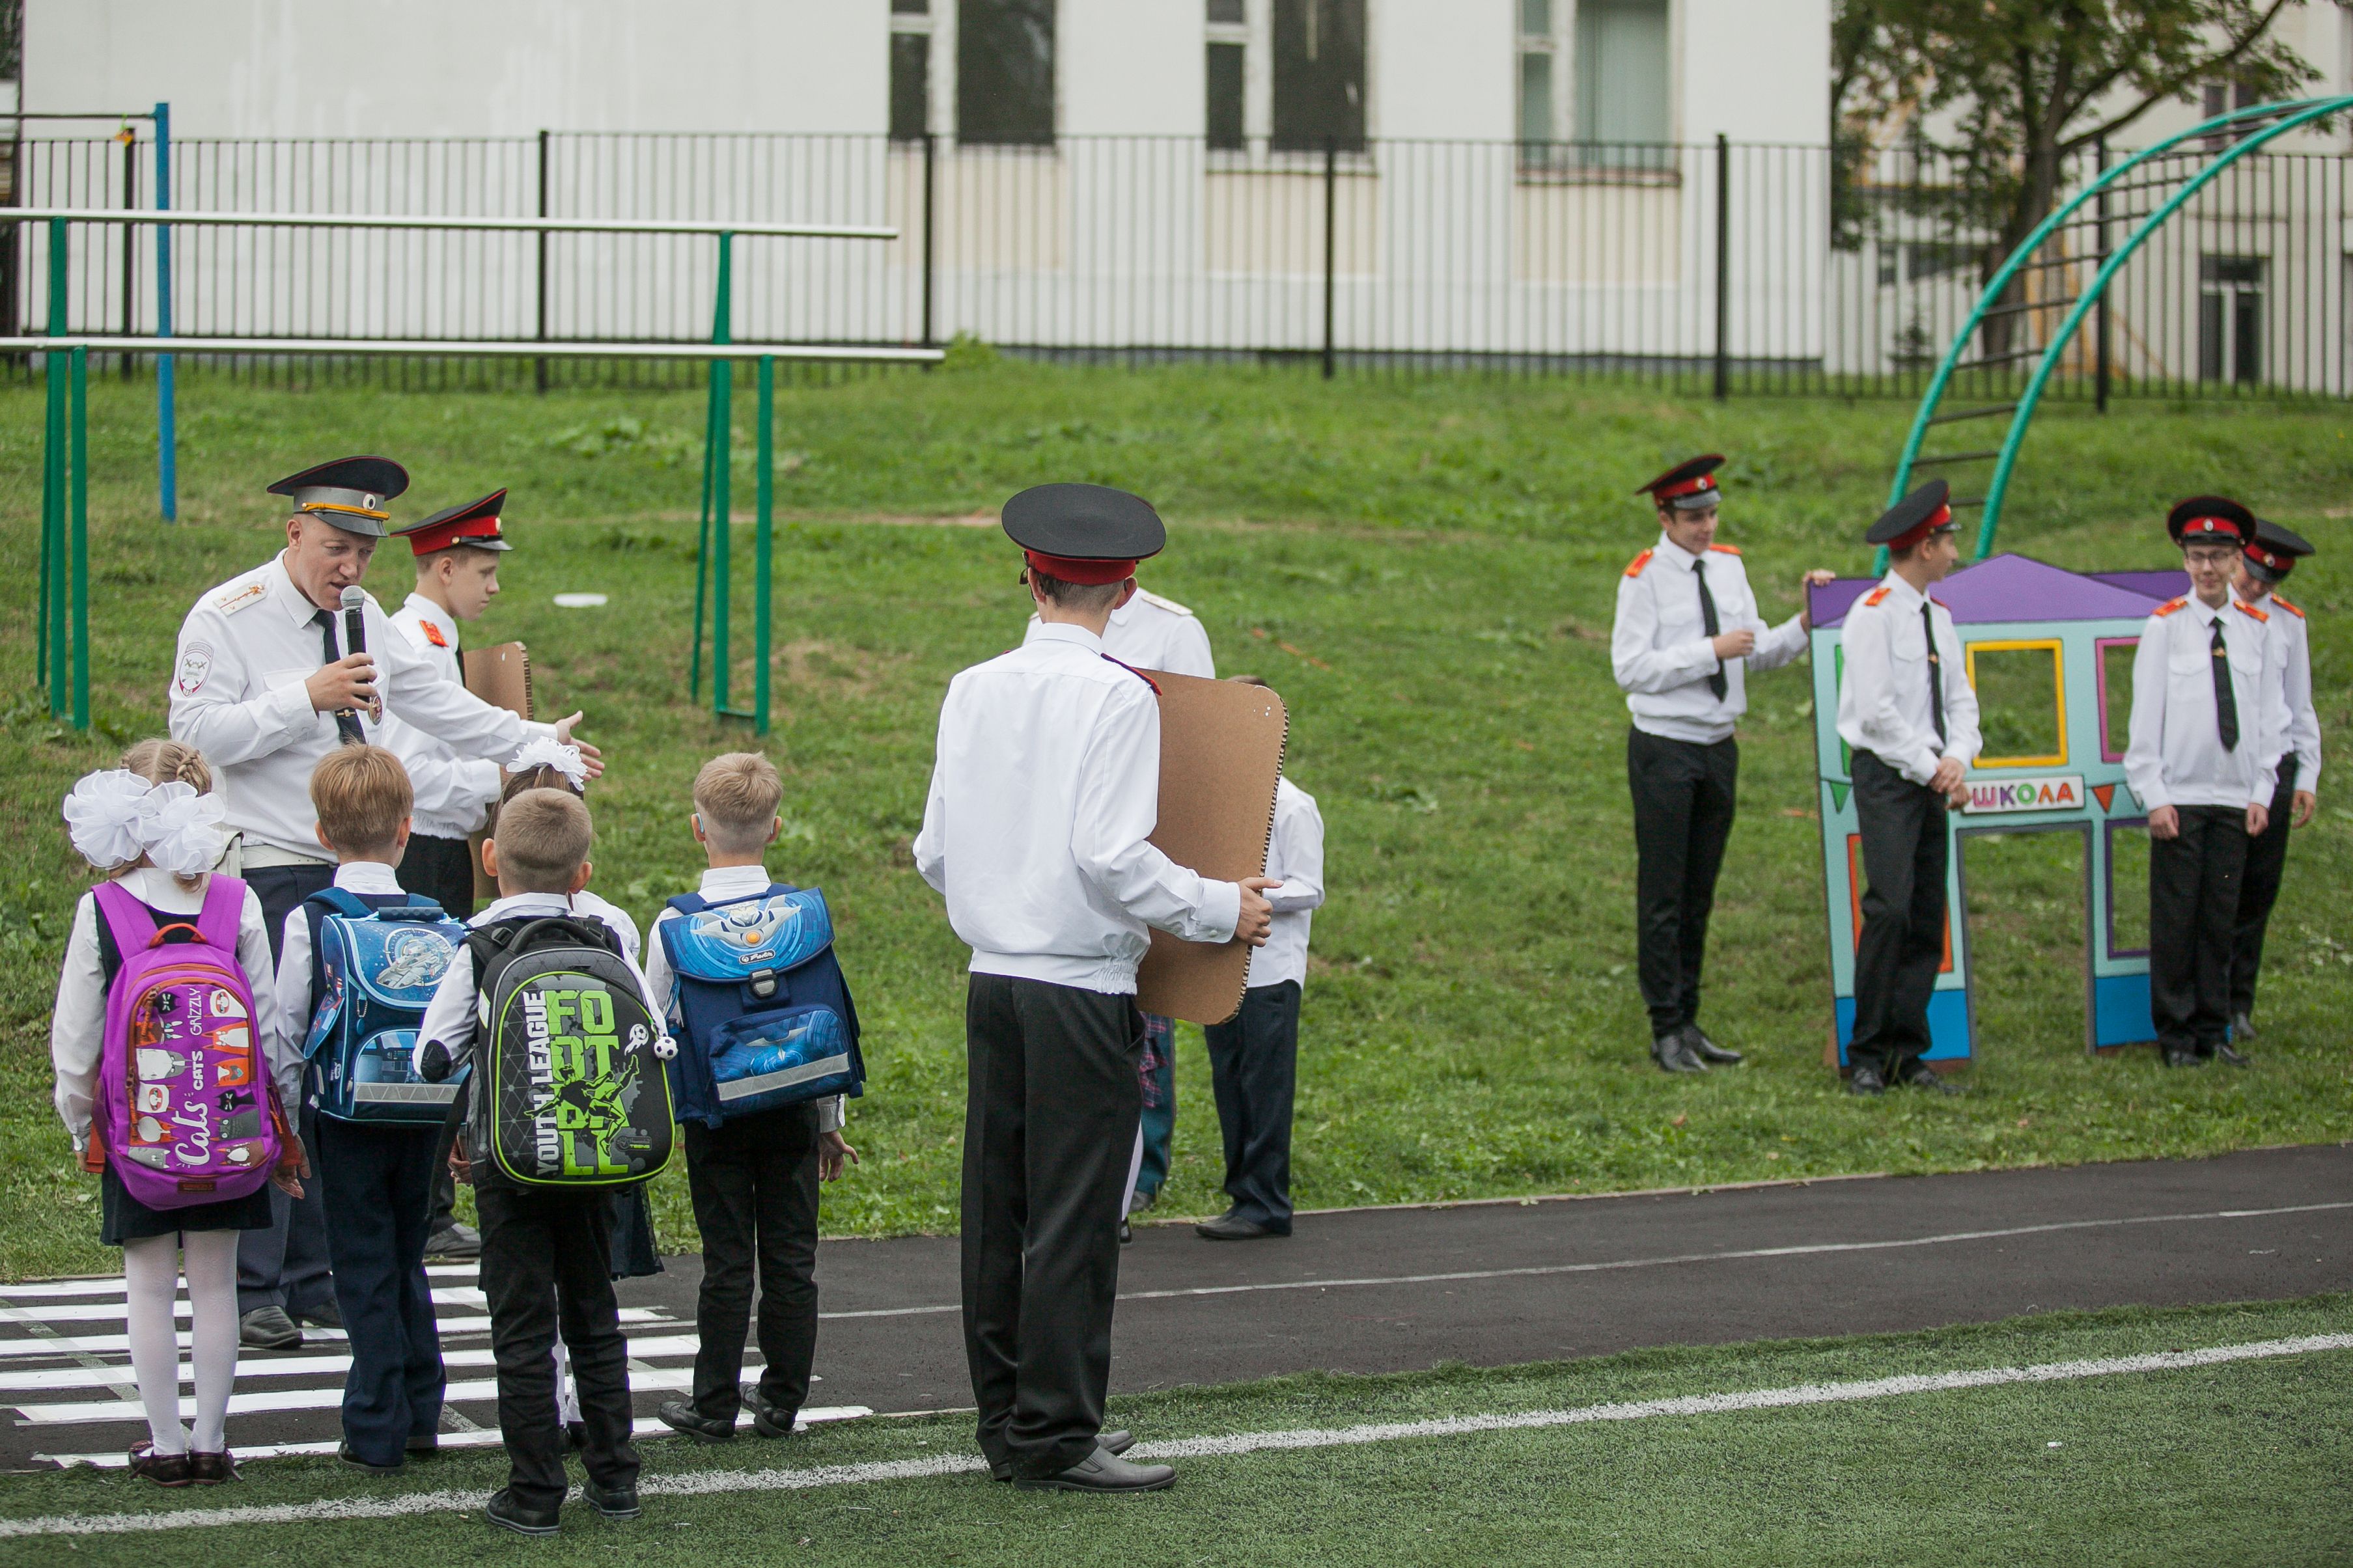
(2030, 305)
(2011, 358)
(1974, 414)
(1939, 458)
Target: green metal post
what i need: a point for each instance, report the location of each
(54, 485)
(79, 545)
(764, 543)
(711, 439)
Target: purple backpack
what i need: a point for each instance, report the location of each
(184, 1107)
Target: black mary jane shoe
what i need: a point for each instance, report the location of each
(164, 1469)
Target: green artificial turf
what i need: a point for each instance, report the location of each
(1424, 569)
(2240, 1463)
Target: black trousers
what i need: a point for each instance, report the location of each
(1254, 1071)
(755, 1185)
(1906, 852)
(441, 869)
(286, 1265)
(1683, 798)
(375, 1186)
(2259, 889)
(2193, 917)
(546, 1259)
(1051, 1109)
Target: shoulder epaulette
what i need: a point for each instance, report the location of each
(1135, 672)
(1870, 600)
(2250, 609)
(1171, 605)
(2168, 607)
(1634, 567)
(1725, 548)
(245, 598)
(2284, 605)
(432, 634)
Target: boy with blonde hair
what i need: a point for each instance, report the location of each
(760, 1132)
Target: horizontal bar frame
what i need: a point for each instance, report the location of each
(459, 348)
(177, 216)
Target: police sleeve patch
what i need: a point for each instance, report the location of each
(195, 666)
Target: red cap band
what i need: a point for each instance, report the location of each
(1068, 569)
(2261, 557)
(1690, 487)
(2207, 527)
(1926, 526)
(426, 541)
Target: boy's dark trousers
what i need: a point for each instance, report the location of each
(754, 1184)
(1906, 852)
(2193, 916)
(1684, 795)
(2259, 887)
(1253, 1068)
(547, 1257)
(375, 1186)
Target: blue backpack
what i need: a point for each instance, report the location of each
(765, 1015)
(377, 960)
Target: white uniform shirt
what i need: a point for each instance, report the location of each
(1149, 632)
(296, 1003)
(1660, 647)
(2174, 757)
(238, 696)
(1294, 856)
(78, 1025)
(2287, 629)
(450, 1017)
(454, 793)
(1046, 789)
(720, 885)
(1884, 696)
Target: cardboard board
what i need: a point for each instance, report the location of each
(1221, 753)
(499, 676)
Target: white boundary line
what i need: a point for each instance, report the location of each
(710, 1482)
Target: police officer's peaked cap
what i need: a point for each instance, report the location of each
(1084, 534)
(350, 492)
(2217, 519)
(2276, 549)
(1926, 510)
(475, 524)
(1687, 487)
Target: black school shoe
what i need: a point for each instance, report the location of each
(2226, 1053)
(620, 1502)
(679, 1416)
(1113, 1443)
(508, 1514)
(1918, 1074)
(769, 1419)
(1866, 1080)
(344, 1452)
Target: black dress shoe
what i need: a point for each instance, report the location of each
(620, 1502)
(164, 1469)
(1865, 1080)
(211, 1469)
(2225, 1052)
(769, 1419)
(268, 1329)
(679, 1416)
(326, 1314)
(1115, 1442)
(2183, 1056)
(1103, 1472)
(1674, 1054)
(1231, 1226)
(424, 1445)
(1918, 1074)
(509, 1514)
(1707, 1050)
(344, 1452)
(2242, 1027)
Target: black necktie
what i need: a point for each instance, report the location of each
(1936, 674)
(347, 725)
(2226, 701)
(1715, 682)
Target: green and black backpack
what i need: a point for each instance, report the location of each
(567, 1092)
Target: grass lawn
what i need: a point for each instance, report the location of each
(2235, 1463)
(1424, 570)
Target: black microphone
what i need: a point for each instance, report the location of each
(355, 624)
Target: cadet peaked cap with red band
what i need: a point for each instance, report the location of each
(1926, 510)
(474, 525)
(1084, 533)
(2275, 550)
(350, 492)
(2216, 520)
(1686, 487)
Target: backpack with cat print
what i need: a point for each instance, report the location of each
(569, 1093)
(377, 959)
(765, 1015)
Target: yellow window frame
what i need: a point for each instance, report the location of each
(2057, 650)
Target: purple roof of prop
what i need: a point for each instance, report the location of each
(2014, 588)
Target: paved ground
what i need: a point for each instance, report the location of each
(1388, 1289)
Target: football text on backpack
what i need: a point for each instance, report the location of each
(378, 960)
(570, 1093)
(766, 1015)
(186, 1107)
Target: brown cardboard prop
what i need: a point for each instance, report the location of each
(1221, 753)
(499, 676)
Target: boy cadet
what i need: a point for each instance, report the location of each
(1908, 712)
(1045, 789)
(2209, 721)
(264, 687)
(2267, 562)
(1687, 623)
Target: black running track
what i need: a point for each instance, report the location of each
(1399, 1288)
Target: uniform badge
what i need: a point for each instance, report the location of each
(195, 664)
(433, 634)
(244, 598)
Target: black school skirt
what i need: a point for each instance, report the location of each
(124, 1218)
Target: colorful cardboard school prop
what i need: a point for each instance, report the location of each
(2064, 774)
(501, 676)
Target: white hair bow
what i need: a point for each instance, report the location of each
(103, 814)
(180, 830)
(540, 752)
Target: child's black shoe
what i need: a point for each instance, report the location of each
(769, 1419)
(619, 1502)
(509, 1514)
(679, 1416)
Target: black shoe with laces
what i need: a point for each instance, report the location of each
(618, 1503)
(679, 1416)
(508, 1514)
(769, 1419)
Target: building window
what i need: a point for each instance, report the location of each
(1224, 117)
(1540, 106)
(1621, 82)
(2222, 98)
(1005, 72)
(2231, 317)
(911, 69)
(1319, 75)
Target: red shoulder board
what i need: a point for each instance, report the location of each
(2250, 609)
(2284, 605)
(1634, 567)
(2169, 606)
(1725, 548)
(433, 634)
(1876, 594)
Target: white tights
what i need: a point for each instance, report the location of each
(150, 1269)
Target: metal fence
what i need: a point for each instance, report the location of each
(1727, 266)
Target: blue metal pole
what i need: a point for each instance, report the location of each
(167, 422)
